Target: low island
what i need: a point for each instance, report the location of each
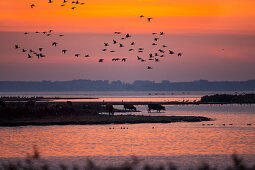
(68, 113)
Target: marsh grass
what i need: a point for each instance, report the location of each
(35, 162)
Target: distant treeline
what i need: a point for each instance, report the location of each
(138, 85)
(227, 98)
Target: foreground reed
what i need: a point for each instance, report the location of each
(35, 162)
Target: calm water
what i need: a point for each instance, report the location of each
(179, 142)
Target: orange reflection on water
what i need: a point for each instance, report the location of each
(138, 139)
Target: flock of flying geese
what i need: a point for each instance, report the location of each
(74, 3)
(121, 42)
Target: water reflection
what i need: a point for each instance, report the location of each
(139, 139)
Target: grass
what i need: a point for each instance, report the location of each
(34, 162)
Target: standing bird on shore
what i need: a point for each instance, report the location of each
(114, 41)
(64, 51)
(101, 60)
(124, 59)
(76, 55)
(29, 56)
(32, 5)
(132, 43)
(117, 32)
(16, 47)
(23, 50)
(40, 49)
(149, 67)
(50, 1)
(149, 19)
(141, 16)
(179, 54)
(73, 8)
(106, 44)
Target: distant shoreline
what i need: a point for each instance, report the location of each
(103, 120)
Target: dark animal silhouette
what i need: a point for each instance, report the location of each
(109, 108)
(86, 55)
(54, 44)
(149, 67)
(29, 56)
(132, 43)
(76, 55)
(100, 60)
(64, 51)
(149, 19)
(124, 59)
(141, 16)
(32, 5)
(179, 54)
(171, 52)
(129, 107)
(117, 32)
(16, 46)
(157, 107)
(114, 41)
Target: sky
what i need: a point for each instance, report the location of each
(216, 39)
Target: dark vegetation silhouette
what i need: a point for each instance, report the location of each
(228, 98)
(34, 161)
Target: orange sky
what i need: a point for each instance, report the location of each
(100, 16)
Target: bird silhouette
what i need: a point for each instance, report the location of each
(117, 32)
(16, 46)
(44, 32)
(37, 32)
(141, 16)
(32, 5)
(132, 43)
(154, 44)
(171, 52)
(77, 2)
(154, 33)
(114, 41)
(131, 49)
(54, 44)
(82, 3)
(150, 55)
(121, 45)
(86, 55)
(50, 31)
(76, 55)
(149, 19)
(112, 51)
(73, 8)
(140, 49)
(149, 67)
(139, 58)
(40, 49)
(128, 35)
(61, 35)
(50, 1)
(162, 55)
(104, 49)
(162, 51)
(100, 60)
(41, 55)
(62, 5)
(162, 33)
(64, 1)
(25, 32)
(156, 59)
(124, 59)
(23, 50)
(29, 56)
(179, 54)
(164, 46)
(106, 44)
(64, 51)
(156, 39)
